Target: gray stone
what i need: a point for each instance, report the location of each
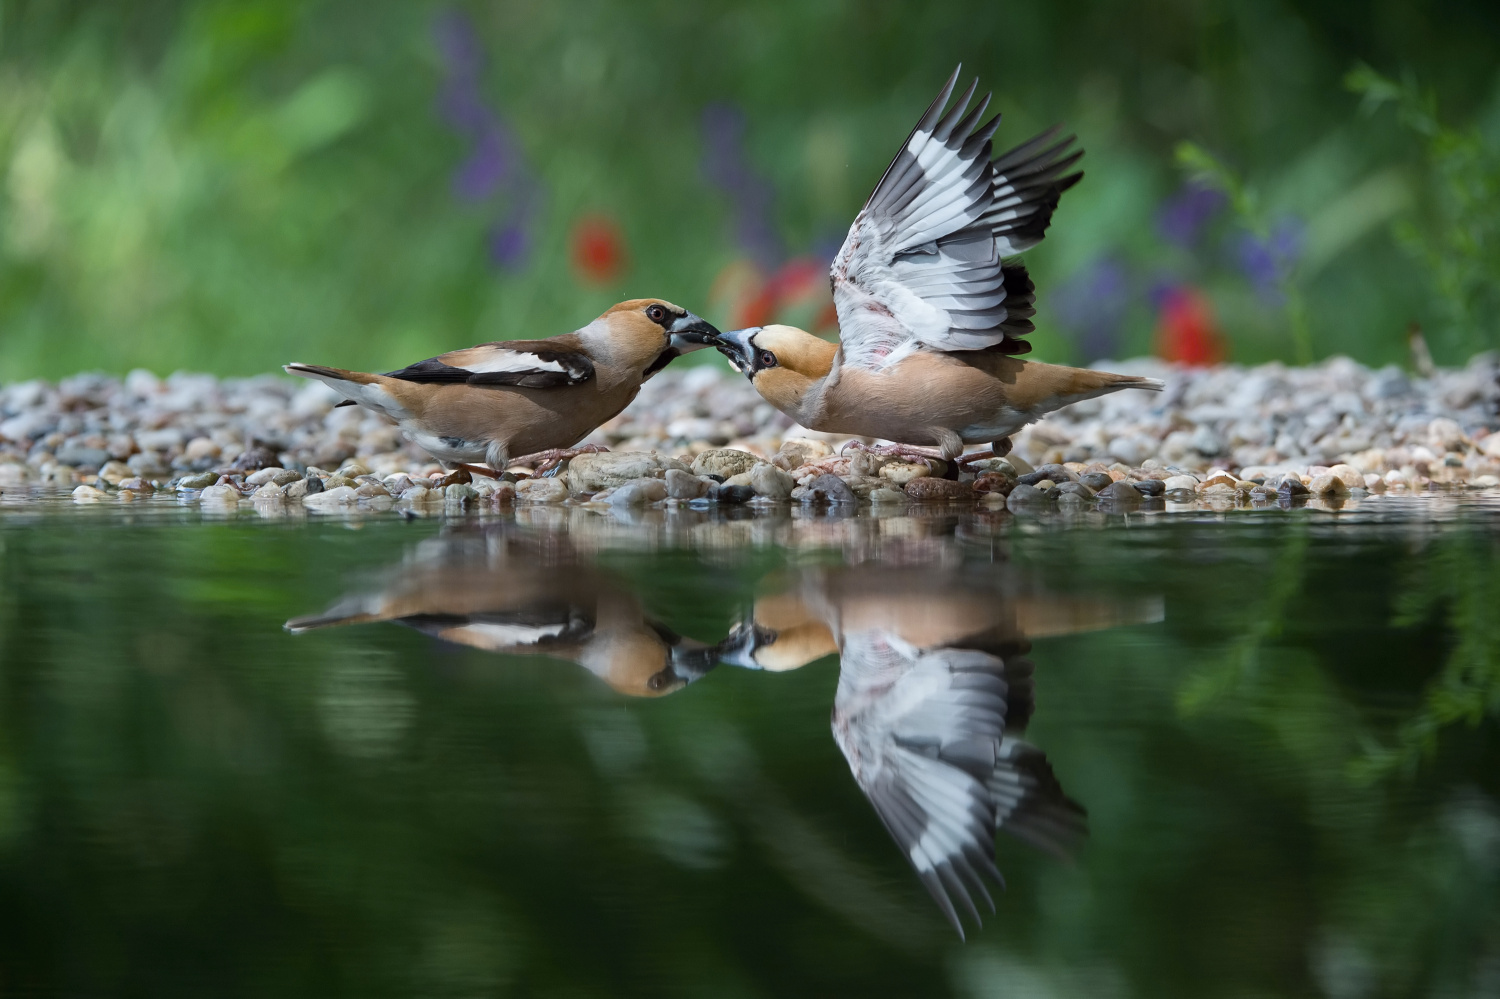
(731, 495)
(684, 485)
(1028, 498)
(771, 482)
(1149, 487)
(201, 480)
(641, 492)
(1096, 480)
(77, 454)
(592, 473)
(829, 488)
(331, 499)
(727, 462)
(1120, 496)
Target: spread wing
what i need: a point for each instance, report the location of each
(536, 364)
(923, 264)
(925, 736)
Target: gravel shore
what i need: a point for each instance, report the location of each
(1219, 438)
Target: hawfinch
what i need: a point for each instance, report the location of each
(933, 690)
(516, 596)
(931, 313)
(499, 401)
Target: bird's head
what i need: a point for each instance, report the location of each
(645, 334)
(782, 634)
(782, 362)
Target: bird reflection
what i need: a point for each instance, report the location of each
(525, 595)
(934, 689)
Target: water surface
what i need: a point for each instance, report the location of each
(611, 758)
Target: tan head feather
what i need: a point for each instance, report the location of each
(801, 361)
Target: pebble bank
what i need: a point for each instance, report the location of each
(1216, 438)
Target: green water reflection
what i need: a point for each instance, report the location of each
(1282, 730)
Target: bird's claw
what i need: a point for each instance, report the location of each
(906, 452)
(546, 463)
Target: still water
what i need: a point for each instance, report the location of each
(560, 755)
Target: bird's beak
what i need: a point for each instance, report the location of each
(736, 346)
(690, 659)
(744, 640)
(689, 333)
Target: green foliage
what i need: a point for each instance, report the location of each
(1456, 236)
(231, 185)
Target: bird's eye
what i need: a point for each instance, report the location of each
(767, 359)
(656, 313)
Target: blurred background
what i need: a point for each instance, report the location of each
(226, 186)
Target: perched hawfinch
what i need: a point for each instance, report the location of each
(930, 312)
(933, 689)
(499, 401)
(521, 596)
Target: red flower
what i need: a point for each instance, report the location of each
(1186, 331)
(598, 249)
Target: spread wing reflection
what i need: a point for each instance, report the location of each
(934, 690)
(520, 595)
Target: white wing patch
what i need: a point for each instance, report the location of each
(513, 360)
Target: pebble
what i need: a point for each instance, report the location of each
(900, 473)
(1027, 498)
(1181, 483)
(331, 499)
(771, 482)
(221, 495)
(685, 485)
(1328, 484)
(930, 489)
(641, 492)
(829, 488)
(1149, 487)
(1120, 495)
(544, 490)
(592, 473)
(88, 494)
(724, 461)
(727, 495)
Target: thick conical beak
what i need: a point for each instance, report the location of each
(744, 640)
(690, 659)
(736, 346)
(690, 333)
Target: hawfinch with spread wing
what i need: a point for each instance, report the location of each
(931, 313)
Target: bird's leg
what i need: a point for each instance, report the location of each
(477, 470)
(999, 449)
(547, 462)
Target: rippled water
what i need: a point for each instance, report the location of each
(1230, 756)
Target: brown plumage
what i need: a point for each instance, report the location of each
(521, 596)
(931, 310)
(499, 401)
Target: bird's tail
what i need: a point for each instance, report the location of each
(1043, 388)
(355, 386)
(355, 611)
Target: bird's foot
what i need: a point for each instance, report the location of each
(908, 452)
(930, 456)
(548, 462)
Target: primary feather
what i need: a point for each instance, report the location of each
(924, 264)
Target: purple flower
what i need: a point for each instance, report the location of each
(1093, 304)
(1182, 217)
(495, 163)
(727, 167)
(1268, 262)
